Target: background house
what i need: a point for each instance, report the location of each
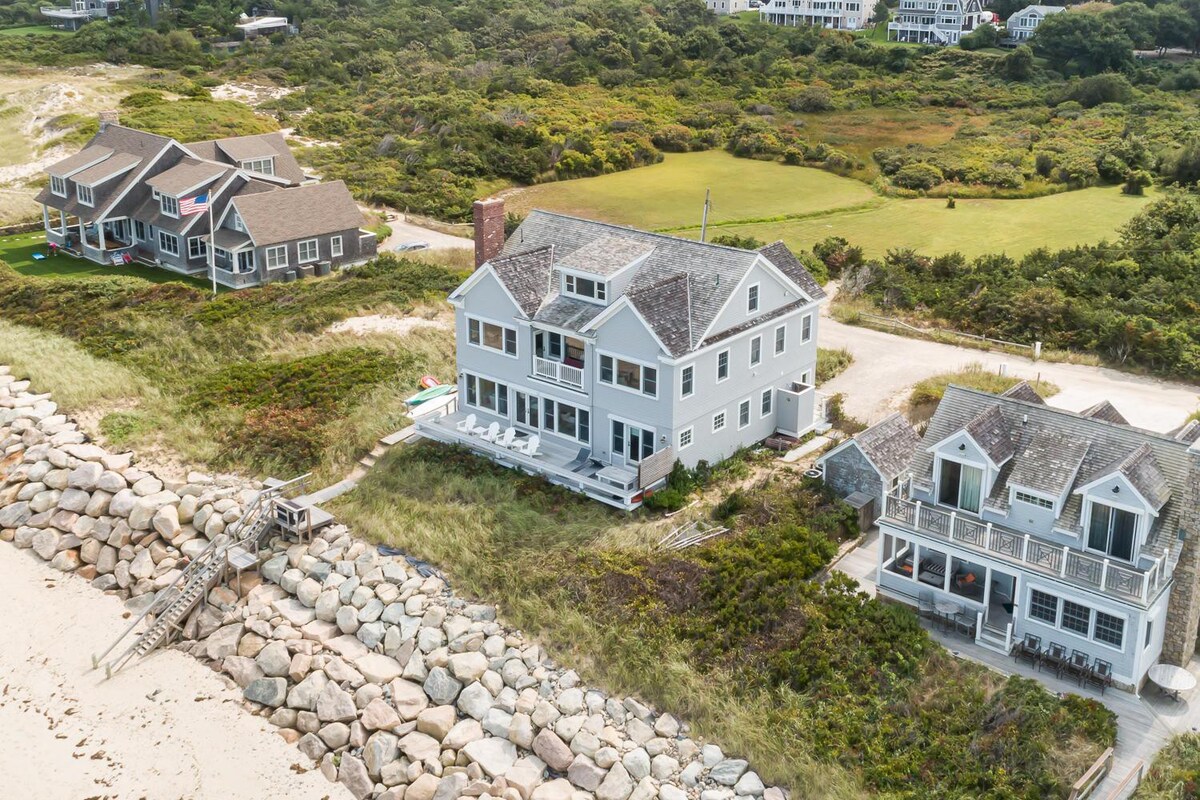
(842, 15)
(1020, 26)
(941, 22)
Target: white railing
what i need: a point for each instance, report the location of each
(558, 371)
(1095, 572)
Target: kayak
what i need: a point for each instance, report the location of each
(430, 393)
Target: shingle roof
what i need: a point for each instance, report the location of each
(889, 444)
(1106, 411)
(606, 255)
(782, 257)
(187, 174)
(1049, 463)
(1140, 468)
(526, 275)
(109, 168)
(1189, 433)
(236, 149)
(1023, 391)
(299, 212)
(85, 157)
(990, 431)
(713, 272)
(118, 139)
(1109, 446)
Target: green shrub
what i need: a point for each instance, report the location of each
(921, 175)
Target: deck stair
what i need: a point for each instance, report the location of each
(170, 609)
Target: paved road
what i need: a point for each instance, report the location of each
(403, 232)
(886, 366)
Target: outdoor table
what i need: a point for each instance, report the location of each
(946, 610)
(1172, 679)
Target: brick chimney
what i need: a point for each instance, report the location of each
(109, 118)
(489, 229)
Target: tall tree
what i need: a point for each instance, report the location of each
(1084, 44)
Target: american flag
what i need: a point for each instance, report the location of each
(193, 205)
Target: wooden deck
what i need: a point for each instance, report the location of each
(1145, 721)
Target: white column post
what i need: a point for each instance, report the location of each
(100, 235)
(916, 559)
(1062, 571)
(946, 574)
(987, 589)
(46, 217)
(62, 221)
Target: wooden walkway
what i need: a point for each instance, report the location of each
(1145, 723)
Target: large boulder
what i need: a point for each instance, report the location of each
(336, 705)
(267, 691)
(495, 756)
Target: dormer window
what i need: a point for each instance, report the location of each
(263, 166)
(960, 485)
(58, 186)
(585, 288)
(84, 193)
(169, 205)
(1112, 530)
(238, 225)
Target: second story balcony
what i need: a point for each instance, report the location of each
(559, 358)
(558, 371)
(1120, 580)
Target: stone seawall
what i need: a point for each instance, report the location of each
(394, 686)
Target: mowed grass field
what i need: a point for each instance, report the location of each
(671, 194)
(25, 30)
(802, 206)
(18, 250)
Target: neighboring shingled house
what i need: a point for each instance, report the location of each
(873, 461)
(1021, 26)
(624, 351)
(131, 196)
(1035, 520)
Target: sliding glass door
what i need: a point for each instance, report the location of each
(960, 485)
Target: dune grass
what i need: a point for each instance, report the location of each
(929, 392)
(55, 364)
(1175, 772)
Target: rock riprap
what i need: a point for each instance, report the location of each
(397, 688)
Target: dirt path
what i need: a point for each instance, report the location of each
(886, 367)
(404, 232)
(168, 727)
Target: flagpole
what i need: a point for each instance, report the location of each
(212, 247)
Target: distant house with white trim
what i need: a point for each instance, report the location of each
(940, 22)
(1022, 25)
(838, 15)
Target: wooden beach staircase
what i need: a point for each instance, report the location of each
(170, 609)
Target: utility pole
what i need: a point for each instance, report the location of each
(704, 219)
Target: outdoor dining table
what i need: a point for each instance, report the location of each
(1172, 679)
(946, 611)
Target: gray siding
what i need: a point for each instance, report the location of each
(848, 471)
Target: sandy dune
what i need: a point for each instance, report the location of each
(165, 728)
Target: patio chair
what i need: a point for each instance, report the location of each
(1029, 649)
(1055, 657)
(1079, 666)
(529, 447)
(491, 433)
(925, 604)
(580, 459)
(964, 623)
(506, 438)
(467, 425)
(1101, 675)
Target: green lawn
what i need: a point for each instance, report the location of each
(18, 251)
(973, 228)
(671, 194)
(38, 29)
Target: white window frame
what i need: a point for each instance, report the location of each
(1030, 499)
(766, 403)
(335, 246)
(168, 205)
(755, 343)
(257, 164)
(723, 354)
(806, 326)
(642, 367)
(316, 251)
(983, 482)
(690, 372)
(780, 340)
(141, 231)
(58, 186)
(505, 330)
(197, 247)
(753, 298)
(1139, 523)
(85, 195)
(599, 287)
(744, 405)
(1094, 612)
(718, 421)
(238, 224)
(688, 434)
(163, 238)
(501, 397)
(272, 254)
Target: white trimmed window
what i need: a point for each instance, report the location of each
(263, 166)
(1032, 499)
(238, 225)
(687, 381)
(756, 351)
(168, 243)
(780, 339)
(487, 394)
(335, 246)
(1043, 606)
(307, 250)
(84, 193)
(500, 338)
(743, 414)
(58, 186)
(722, 365)
(584, 287)
(718, 421)
(139, 230)
(277, 256)
(806, 328)
(752, 298)
(768, 397)
(1110, 630)
(197, 247)
(169, 205)
(686, 437)
(629, 375)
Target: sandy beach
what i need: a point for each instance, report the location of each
(164, 729)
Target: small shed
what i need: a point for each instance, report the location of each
(864, 504)
(871, 463)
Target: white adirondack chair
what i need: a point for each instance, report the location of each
(467, 425)
(506, 438)
(491, 433)
(529, 447)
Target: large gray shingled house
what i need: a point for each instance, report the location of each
(131, 196)
(623, 351)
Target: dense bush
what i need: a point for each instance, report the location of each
(920, 175)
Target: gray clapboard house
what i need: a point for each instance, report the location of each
(1039, 521)
(623, 351)
(130, 196)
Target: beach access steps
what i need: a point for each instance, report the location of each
(171, 607)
